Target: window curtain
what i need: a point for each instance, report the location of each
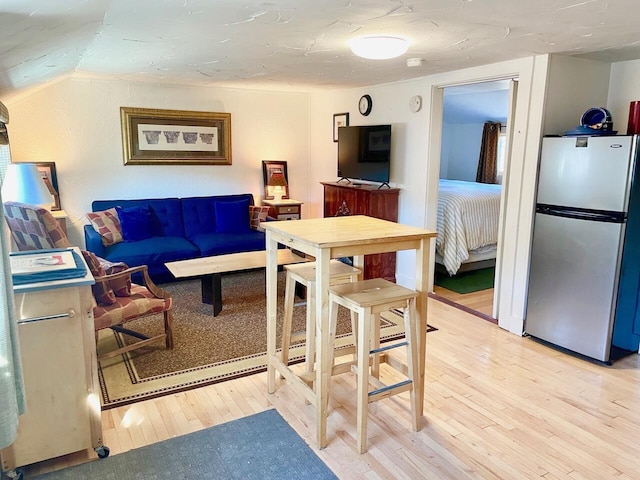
(488, 161)
(12, 399)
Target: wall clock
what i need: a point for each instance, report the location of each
(365, 105)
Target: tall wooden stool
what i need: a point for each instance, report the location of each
(369, 298)
(305, 274)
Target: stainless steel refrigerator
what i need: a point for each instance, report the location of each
(585, 261)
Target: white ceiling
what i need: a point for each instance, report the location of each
(301, 43)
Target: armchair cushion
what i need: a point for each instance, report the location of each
(105, 293)
(140, 302)
(107, 224)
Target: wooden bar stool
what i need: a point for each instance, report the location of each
(305, 274)
(369, 298)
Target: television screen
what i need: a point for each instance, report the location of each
(364, 153)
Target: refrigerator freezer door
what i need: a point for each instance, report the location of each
(574, 267)
(594, 176)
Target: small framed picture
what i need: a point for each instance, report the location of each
(48, 172)
(269, 167)
(339, 120)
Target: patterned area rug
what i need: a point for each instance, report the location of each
(207, 349)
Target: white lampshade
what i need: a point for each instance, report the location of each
(23, 183)
(379, 47)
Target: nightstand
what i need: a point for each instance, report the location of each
(285, 209)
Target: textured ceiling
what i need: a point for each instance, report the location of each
(300, 43)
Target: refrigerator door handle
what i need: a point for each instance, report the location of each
(582, 213)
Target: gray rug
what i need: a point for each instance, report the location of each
(262, 446)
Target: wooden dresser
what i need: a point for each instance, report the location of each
(350, 199)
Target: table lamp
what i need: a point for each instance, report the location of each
(278, 182)
(23, 183)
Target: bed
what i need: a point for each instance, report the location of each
(468, 217)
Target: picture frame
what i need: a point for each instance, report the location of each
(175, 137)
(339, 120)
(49, 175)
(268, 168)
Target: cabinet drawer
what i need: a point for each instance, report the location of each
(289, 216)
(289, 209)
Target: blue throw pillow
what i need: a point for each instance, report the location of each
(232, 217)
(135, 223)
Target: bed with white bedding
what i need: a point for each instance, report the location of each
(468, 217)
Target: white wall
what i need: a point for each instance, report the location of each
(574, 85)
(76, 123)
(624, 88)
(460, 151)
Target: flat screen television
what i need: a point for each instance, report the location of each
(364, 153)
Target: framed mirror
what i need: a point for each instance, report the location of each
(277, 168)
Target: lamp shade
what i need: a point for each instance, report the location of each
(277, 179)
(23, 183)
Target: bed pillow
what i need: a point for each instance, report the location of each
(107, 224)
(135, 222)
(232, 217)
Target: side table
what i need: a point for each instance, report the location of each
(285, 209)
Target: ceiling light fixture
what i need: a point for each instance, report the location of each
(379, 47)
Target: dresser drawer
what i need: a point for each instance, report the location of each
(289, 216)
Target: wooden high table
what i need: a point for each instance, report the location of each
(324, 239)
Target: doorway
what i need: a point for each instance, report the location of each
(470, 212)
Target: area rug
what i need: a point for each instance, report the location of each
(467, 282)
(262, 446)
(207, 349)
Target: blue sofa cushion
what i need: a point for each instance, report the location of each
(166, 213)
(223, 243)
(155, 250)
(199, 213)
(135, 223)
(232, 217)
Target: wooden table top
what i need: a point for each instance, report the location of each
(347, 230)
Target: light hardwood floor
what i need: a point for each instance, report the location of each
(497, 406)
(481, 301)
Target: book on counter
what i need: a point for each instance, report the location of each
(25, 263)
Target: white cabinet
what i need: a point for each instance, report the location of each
(59, 361)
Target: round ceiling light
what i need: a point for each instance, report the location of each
(379, 47)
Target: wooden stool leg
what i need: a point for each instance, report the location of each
(375, 344)
(289, 291)
(413, 367)
(333, 322)
(310, 346)
(364, 335)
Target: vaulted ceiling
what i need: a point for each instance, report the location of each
(295, 42)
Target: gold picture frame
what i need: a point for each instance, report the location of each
(175, 137)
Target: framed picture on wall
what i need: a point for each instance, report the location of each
(339, 120)
(48, 172)
(269, 167)
(175, 137)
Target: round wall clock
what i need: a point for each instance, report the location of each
(365, 105)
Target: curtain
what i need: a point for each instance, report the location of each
(488, 161)
(12, 399)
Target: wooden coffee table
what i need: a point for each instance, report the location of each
(210, 270)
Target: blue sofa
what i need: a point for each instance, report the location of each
(181, 228)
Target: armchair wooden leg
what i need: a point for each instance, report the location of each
(168, 328)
